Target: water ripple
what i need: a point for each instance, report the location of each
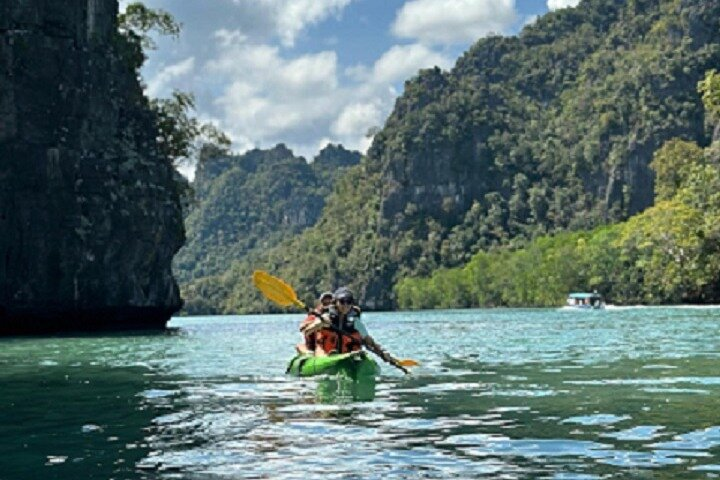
(506, 394)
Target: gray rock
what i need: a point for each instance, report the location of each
(89, 210)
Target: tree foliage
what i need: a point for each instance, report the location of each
(709, 87)
(136, 25)
(673, 164)
(180, 134)
(526, 137)
(670, 253)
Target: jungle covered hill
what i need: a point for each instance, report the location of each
(246, 204)
(550, 131)
(669, 253)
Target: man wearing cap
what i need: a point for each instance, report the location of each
(342, 331)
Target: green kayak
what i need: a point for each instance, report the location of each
(354, 365)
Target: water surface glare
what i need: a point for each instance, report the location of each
(507, 394)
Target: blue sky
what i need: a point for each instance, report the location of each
(309, 72)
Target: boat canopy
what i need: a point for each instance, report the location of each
(582, 296)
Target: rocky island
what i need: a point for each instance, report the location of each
(90, 215)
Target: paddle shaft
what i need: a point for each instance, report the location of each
(374, 347)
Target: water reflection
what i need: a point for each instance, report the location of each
(342, 390)
(72, 421)
(501, 394)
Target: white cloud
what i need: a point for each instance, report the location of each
(351, 126)
(358, 73)
(263, 65)
(269, 98)
(229, 37)
(556, 4)
(162, 82)
(291, 17)
(403, 61)
(311, 72)
(261, 94)
(453, 21)
(357, 118)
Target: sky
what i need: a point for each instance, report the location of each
(309, 72)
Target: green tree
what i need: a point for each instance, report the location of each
(136, 25)
(709, 88)
(664, 247)
(180, 135)
(673, 163)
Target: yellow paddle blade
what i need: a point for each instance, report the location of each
(276, 290)
(409, 363)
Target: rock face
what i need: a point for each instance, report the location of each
(330, 163)
(89, 210)
(250, 202)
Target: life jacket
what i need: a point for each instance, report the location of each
(310, 339)
(350, 340)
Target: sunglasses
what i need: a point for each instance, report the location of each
(345, 301)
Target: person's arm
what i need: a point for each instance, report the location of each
(313, 324)
(375, 347)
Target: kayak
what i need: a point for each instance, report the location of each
(354, 365)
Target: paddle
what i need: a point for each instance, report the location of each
(279, 292)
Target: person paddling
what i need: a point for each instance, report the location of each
(280, 293)
(342, 330)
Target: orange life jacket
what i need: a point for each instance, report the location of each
(328, 339)
(310, 339)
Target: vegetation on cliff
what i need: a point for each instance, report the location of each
(549, 131)
(670, 253)
(89, 207)
(247, 204)
(180, 134)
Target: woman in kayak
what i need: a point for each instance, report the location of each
(340, 330)
(307, 346)
(333, 326)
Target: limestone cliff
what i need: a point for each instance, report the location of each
(89, 210)
(547, 131)
(248, 203)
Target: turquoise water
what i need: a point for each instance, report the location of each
(511, 394)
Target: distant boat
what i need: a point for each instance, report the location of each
(581, 300)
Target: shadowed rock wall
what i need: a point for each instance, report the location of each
(89, 212)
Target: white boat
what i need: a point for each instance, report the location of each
(582, 300)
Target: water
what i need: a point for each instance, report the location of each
(509, 394)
